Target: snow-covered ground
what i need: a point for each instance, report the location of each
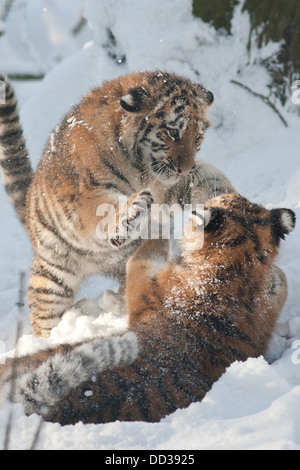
(256, 404)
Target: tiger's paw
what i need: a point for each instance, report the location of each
(133, 219)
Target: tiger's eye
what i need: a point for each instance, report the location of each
(174, 134)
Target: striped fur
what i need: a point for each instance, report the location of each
(14, 161)
(193, 317)
(138, 132)
(65, 367)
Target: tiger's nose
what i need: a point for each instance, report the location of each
(185, 163)
(183, 172)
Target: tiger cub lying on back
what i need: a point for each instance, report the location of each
(136, 132)
(192, 317)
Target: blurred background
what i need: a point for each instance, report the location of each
(36, 35)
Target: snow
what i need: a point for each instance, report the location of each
(256, 404)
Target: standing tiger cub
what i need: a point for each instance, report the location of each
(136, 136)
(192, 316)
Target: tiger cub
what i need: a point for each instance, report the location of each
(134, 137)
(192, 316)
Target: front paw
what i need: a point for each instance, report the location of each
(133, 219)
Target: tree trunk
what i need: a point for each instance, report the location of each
(271, 20)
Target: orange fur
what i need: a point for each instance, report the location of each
(138, 132)
(193, 316)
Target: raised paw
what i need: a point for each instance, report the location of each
(132, 220)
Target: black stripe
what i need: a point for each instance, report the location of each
(118, 174)
(59, 267)
(15, 150)
(169, 90)
(144, 137)
(11, 121)
(234, 242)
(45, 273)
(109, 186)
(184, 385)
(60, 237)
(156, 146)
(150, 127)
(159, 344)
(47, 226)
(14, 163)
(40, 290)
(15, 173)
(160, 115)
(22, 185)
(226, 327)
(9, 95)
(68, 212)
(48, 315)
(165, 395)
(139, 394)
(45, 301)
(97, 184)
(174, 353)
(138, 162)
(191, 371)
(19, 202)
(7, 110)
(175, 100)
(11, 136)
(237, 355)
(143, 124)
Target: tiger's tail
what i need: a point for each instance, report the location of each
(15, 164)
(41, 380)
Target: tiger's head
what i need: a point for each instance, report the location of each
(168, 114)
(232, 228)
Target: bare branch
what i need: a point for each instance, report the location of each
(79, 26)
(25, 77)
(265, 99)
(6, 9)
(20, 304)
(37, 434)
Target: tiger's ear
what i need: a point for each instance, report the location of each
(136, 100)
(283, 222)
(209, 98)
(205, 96)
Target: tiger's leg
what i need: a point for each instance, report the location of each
(142, 269)
(51, 292)
(120, 215)
(134, 212)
